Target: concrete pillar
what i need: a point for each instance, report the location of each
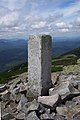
(39, 64)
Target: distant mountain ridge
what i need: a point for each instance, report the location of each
(14, 51)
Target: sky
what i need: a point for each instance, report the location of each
(21, 18)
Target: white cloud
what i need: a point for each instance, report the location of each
(40, 24)
(9, 19)
(64, 30)
(34, 16)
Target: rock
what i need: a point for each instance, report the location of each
(76, 100)
(50, 101)
(77, 116)
(32, 116)
(79, 86)
(5, 96)
(16, 90)
(20, 116)
(65, 90)
(33, 107)
(69, 113)
(7, 116)
(3, 88)
(23, 88)
(54, 78)
(59, 117)
(15, 97)
(47, 116)
(23, 100)
(70, 104)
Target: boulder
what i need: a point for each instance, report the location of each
(20, 116)
(33, 107)
(22, 101)
(7, 116)
(65, 90)
(49, 101)
(58, 117)
(68, 113)
(32, 116)
(76, 100)
(3, 88)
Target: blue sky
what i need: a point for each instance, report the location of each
(21, 18)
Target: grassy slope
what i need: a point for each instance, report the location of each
(66, 62)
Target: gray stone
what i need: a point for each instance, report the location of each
(23, 87)
(65, 90)
(33, 107)
(32, 116)
(3, 88)
(79, 86)
(22, 101)
(68, 113)
(39, 64)
(20, 116)
(5, 96)
(77, 116)
(7, 116)
(15, 97)
(70, 104)
(47, 116)
(58, 117)
(76, 100)
(50, 101)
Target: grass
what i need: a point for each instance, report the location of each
(66, 63)
(8, 75)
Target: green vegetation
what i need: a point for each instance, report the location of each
(10, 74)
(66, 62)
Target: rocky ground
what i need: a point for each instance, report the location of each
(62, 103)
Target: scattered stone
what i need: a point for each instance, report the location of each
(50, 101)
(33, 107)
(20, 116)
(65, 90)
(32, 116)
(3, 88)
(7, 116)
(59, 117)
(5, 96)
(68, 113)
(23, 100)
(76, 100)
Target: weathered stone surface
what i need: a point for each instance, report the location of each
(69, 113)
(22, 101)
(20, 116)
(47, 116)
(50, 101)
(39, 67)
(76, 100)
(32, 116)
(70, 104)
(65, 90)
(58, 117)
(7, 116)
(3, 88)
(33, 107)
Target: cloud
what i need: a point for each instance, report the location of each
(9, 20)
(40, 24)
(24, 17)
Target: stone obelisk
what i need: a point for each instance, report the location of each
(39, 64)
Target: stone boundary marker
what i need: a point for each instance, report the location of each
(39, 64)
